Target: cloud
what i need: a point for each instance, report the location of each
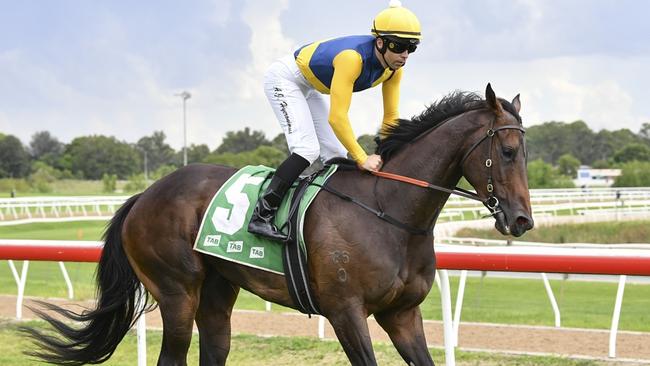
(267, 43)
(602, 91)
(113, 68)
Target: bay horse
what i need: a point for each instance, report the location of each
(359, 265)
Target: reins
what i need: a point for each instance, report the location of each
(457, 191)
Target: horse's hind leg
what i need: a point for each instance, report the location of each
(177, 311)
(404, 326)
(213, 318)
(173, 277)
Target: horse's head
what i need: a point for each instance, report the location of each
(495, 164)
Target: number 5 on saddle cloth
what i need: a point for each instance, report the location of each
(223, 232)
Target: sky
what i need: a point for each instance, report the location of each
(77, 68)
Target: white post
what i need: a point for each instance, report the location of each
(551, 297)
(459, 304)
(20, 283)
(616, 316)
(12, 266)
(321, 327)
(67, 280)
(141, 329)
(268, 306)
(447, 322)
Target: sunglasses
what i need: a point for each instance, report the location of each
(399, 47)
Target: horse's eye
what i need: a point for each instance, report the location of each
(508, 153)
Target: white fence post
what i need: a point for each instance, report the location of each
(459, 304)
(67, 280)
(445, 298)
(141, 330)
(21, 280)
(321, 327)
(616, 316)
(551, 297)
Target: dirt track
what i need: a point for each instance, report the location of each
(473, 336)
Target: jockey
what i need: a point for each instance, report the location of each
(295, 86)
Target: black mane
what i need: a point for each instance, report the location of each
(451, 105)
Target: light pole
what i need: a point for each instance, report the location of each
(146, 168)
(185, 95)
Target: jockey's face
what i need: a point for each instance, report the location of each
(395, 56)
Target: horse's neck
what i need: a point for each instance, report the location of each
(434, 158)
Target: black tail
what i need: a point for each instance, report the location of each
(118, 308)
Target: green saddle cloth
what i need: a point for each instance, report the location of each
(223, 232)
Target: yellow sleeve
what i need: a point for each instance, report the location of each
(390, 93)
(347, 68)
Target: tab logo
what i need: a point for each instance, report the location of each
(235, 246)
(257, 252)
(212, 241)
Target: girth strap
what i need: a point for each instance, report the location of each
(296, 267)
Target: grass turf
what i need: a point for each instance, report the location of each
(280, 351)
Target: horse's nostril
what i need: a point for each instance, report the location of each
(525, 222)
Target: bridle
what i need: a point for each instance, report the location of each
(491, 202)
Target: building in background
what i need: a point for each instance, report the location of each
(588, 177)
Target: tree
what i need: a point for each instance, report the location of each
(197, 153)
(239, 141)
(158, 151)
(634, 151)
(14, 158)
(136, 183)
(634, 174)
(263, 155)
(551, 140)
(568, 165)
(601, 164)
(43, 144)
(544, 175)
(162, 171)
(92, 156)
(280, 142)
(644, 132)
(109, 182)
(42, 177)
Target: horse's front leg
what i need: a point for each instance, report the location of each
(351, 328)
(404, 326)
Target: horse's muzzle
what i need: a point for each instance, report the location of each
(521, 224)
(516, 224)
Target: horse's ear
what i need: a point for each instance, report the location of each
(492, 100)
(516, 103)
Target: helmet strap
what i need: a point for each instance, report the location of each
(382, 51)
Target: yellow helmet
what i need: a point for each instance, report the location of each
(396, 21)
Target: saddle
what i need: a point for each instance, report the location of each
(223, 232)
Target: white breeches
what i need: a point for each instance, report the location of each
(302, 112)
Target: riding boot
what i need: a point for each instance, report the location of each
(261, 222)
